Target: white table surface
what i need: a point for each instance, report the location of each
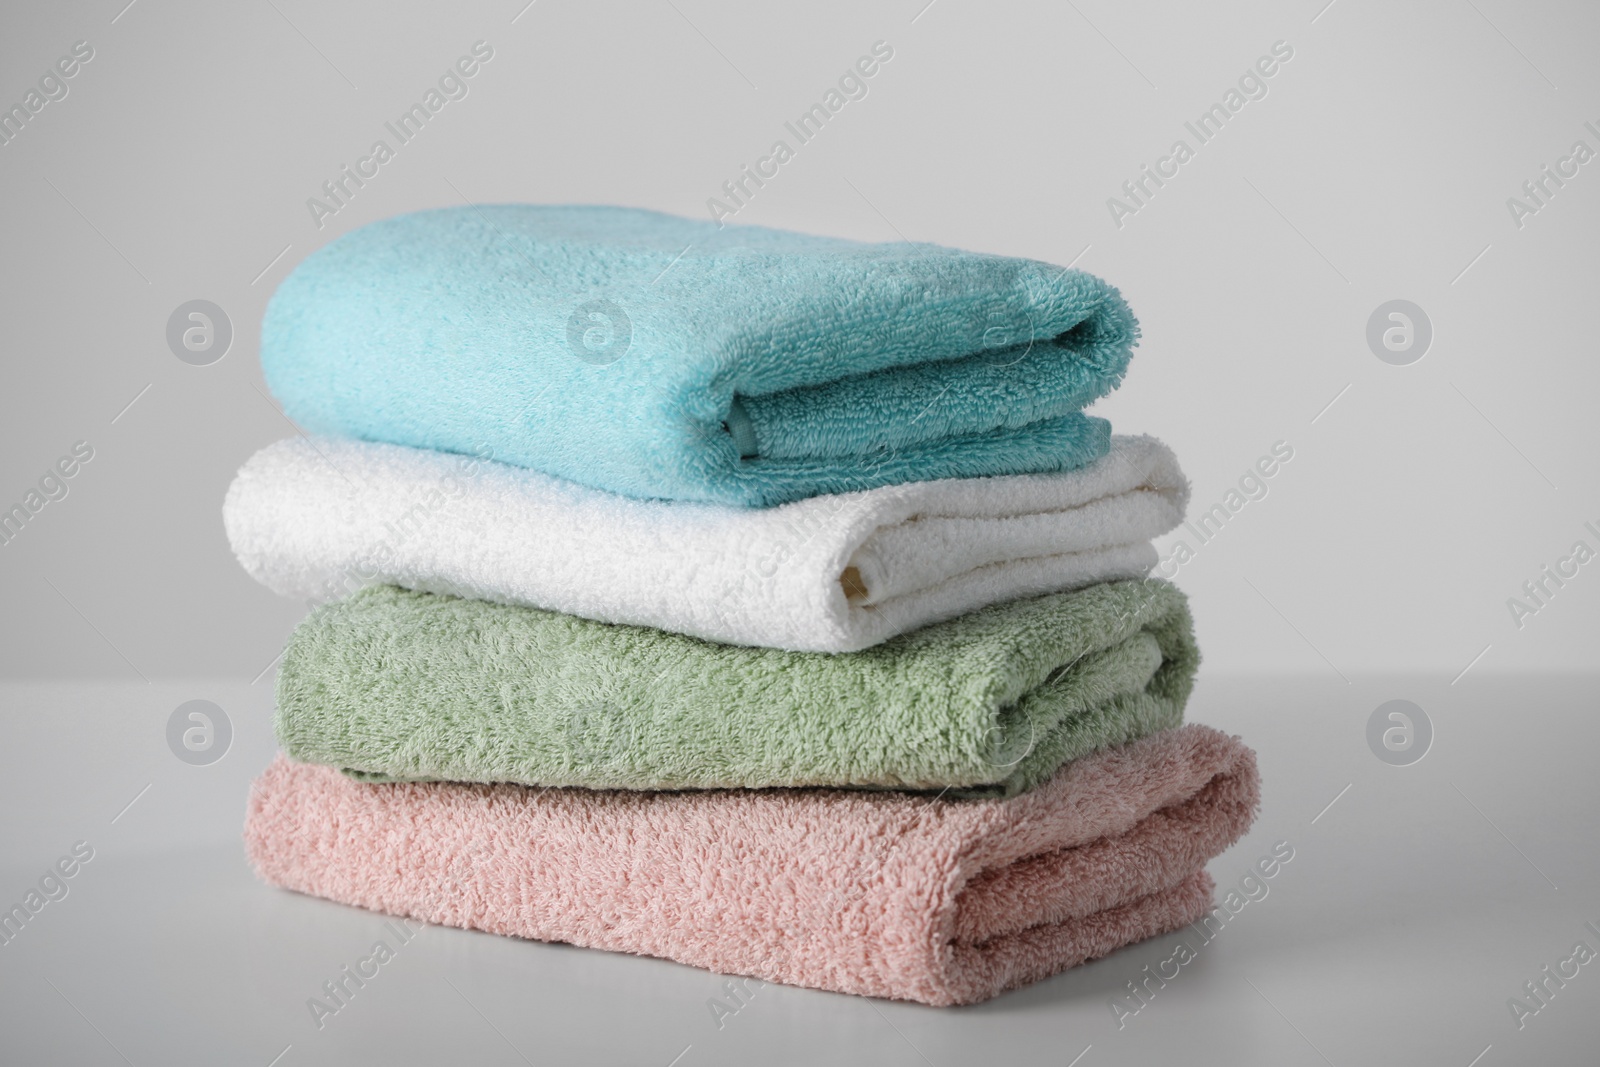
(1416, 905)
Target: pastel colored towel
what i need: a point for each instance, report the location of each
(657, 356)
(406, 685)
(882, 894)
(318, 519)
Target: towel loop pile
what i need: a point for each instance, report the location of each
(830, 660)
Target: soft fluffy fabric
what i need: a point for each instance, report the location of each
(319, 519)
(406, 685)
(656, 356)
(883, 894)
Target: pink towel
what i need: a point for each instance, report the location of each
(880, 893)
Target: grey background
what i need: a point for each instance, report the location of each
(1379, 565)
(1389, 145)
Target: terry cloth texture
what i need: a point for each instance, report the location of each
(405, 685)
(657, 356)
(320, 519)
(883, 894)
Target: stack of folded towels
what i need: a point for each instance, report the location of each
(761, 601)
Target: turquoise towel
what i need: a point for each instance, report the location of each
(656, 356)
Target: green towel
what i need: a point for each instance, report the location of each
(392, 684)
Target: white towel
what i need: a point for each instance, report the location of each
(319, 518)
